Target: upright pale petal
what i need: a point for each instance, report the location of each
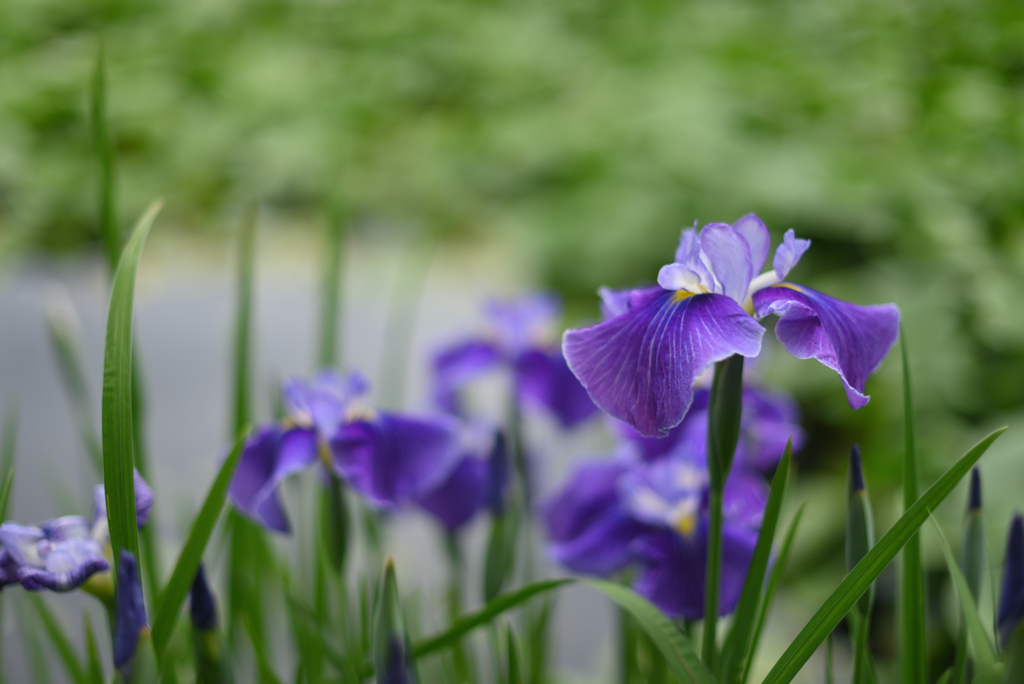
(323, 400)
(788, 254)
(456, 366)
(758, 238)
(590, 532)
(544, 380)
(391, 459)
(730, 257)
(640, 366)
(850, 339)
(270, 456)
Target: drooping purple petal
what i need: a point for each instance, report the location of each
(270, 456)
(788, 254)
(461, 496)
(390, 459)
(589, 530)
(640, 366)
(68, 564)
(617, 302)
(673, 568)
(753, 230)
(544, 380)
(654, 448)
(456, 366)
(731, 260)
(850, 339)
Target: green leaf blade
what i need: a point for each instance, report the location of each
(117, 429)
(858, 581)
(192, 553)
(738, 642)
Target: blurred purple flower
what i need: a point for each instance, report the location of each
(640, 364)
(522, 338)
(63, 553)
(477, 482)
(653, 515)
(770, 419)
(388, 458)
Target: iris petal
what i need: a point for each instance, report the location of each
(640, 366)
(673, 569)
(758, 238)
(456, 366)
(270, 457)
(392, 459)
(590, 531)
(544, 379)
(730, 258)
(850, 339)
(456, 500)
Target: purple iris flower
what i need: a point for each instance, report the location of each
(388, 458)
(63, 553)
(477, 482)
(523, 339)
(129, 614)
(624, 512)
(640, 364)
(770, 419)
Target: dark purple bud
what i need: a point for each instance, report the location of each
(974, 501)
(129, 611)
(856, 470)
(498, 476)
(203, 606)
(1011, 601)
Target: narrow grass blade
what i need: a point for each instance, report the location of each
(118, 461)
(493, 609)
(984, 652)
(109, 230)
(5, 492)
(769, 593)
(405, 303)
(914, 666)
(243, 323)
(65, 338)
(738, 641)
(674, 646)
(857, 582)
(94, 667)
(192, 554)
(266, 671)
(513, 671)
(830, 677)
(10, 440)
(331, 291)
(60, 641)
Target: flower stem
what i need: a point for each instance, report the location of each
(713, 568)
(725, 406)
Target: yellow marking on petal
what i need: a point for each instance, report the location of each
(791, 286)
(680, 295)
(325, 454)
(686, 525)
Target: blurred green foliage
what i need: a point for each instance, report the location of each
(584, 132)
